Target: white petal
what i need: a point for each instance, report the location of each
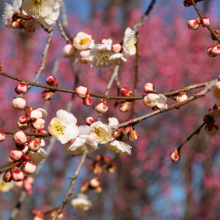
(44, 112)
(113, 121)
(84, 130)
(65, 116)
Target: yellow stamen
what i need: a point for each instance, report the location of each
(58, 128)
(84, 41)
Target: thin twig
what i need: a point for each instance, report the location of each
(62, 31)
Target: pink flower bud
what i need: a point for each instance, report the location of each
(214, 111)
(116, 48)
(101, 107)
(124, 106)
(216, 50)
(23, 119)
(127, 130)
(52, 81)
(23, 127)
(149, 87)
(35, 113)
(87, 101)
(193, 24)
(17, 175)
(47, 95)
(118, 133)
(84, 56)
(19, 103)
(98, 189)
(84, 187)
(34, 145)
(90, 120)
(181, 97)
(7, 177)
(94, 182)
(20, 137)
(216, 91)
(16, 154)
(205, 22)
(26, 157)
(16, 24)
(104, 41)
(38, 123)
(28, 167)
(174, 156)
(133, 136)
(68, 51)
(209, 52)
(211, 129)
(2, 136)
(41, 131)
(126, 92)
(21, 88)
(82, 92)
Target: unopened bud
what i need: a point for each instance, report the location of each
(101, 107)
(205, 22)
(149, 88)
(193, 24)
(98, 189)
(2, 136)
(20, 137)
(90, 120)
(52, 81)
(34, 145)
(30, 25)
(7, 177)
(87, 101)
(84, 187)
(118, 133)
(94, 182)
(127, 130)
(36, 113)
(23, 119)
(111, 169)
(84, 56)
(28, 167)
(133, 136)
(181, 97)
(16, 154)
(19, 103)
(38, 123)
(21, 88)
(43, 131)
(209, 52)
(216, 50)
(82, 91)
(211, 129)
(23, 127)
(116, 48)
(216, 91)
(26, 157)
(214, 111)
(104, 41)
(47, 95)
(16, 174)
(174, 156)
(126, 92)
(68, 51)
(124, 106)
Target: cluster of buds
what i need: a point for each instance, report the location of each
(47, 95)
(193, 24)
(125, 105)
(25, 22)
(188, 3)
(83, 93)
(93, 185)
(211, 128)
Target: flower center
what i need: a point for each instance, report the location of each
(103, 57)
(58, 128)
(38, 2)
(84, 41)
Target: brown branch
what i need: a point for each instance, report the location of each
(62, 31)
(9, 167)
(28, 133)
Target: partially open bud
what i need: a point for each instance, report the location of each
(98, 189)
(205, 22)
(127, 130)
(20, 137)
(21, 88)
(102, 107)
(84, 56)
(23, 127)
(124, 106)
(214, 110)
(87, 101)
(84, 187)
(19, 103)
(211, 129)
(16, 154)
(38, 123)
(216, 91)
(47, 95)
(126, 92)
(34, 145)
(181, 97)
(90, 120)
(28, 167)
(7, 177)
(217, 32)
(118, 133)
(2, 136)
(116, 48)
(52, 81)
(26, 157)
(133, 136)
(149, 88)
(23, 119)
(68, 51)
(82, 91)
(216, 50)
(209, 52)
(174, 156)
(97, 169)
(193, 24)
(16, 174)
(36, 113)
(94, 182)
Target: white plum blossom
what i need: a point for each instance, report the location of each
(82, 143)
(152, 100)
(46, 12)
(10, 10)
(63, 127)
(100, 54)
(119, 147)
(81, 202)
(100, 132)
(82, 41)
(129, 42)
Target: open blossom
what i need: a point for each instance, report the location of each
(100, 132)
(82, 143)
(100, 54)
(10, 10)
(129, 42)
(119, 147)
(82, 41)
(81, 202)
(63, 127)
(152, 100)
